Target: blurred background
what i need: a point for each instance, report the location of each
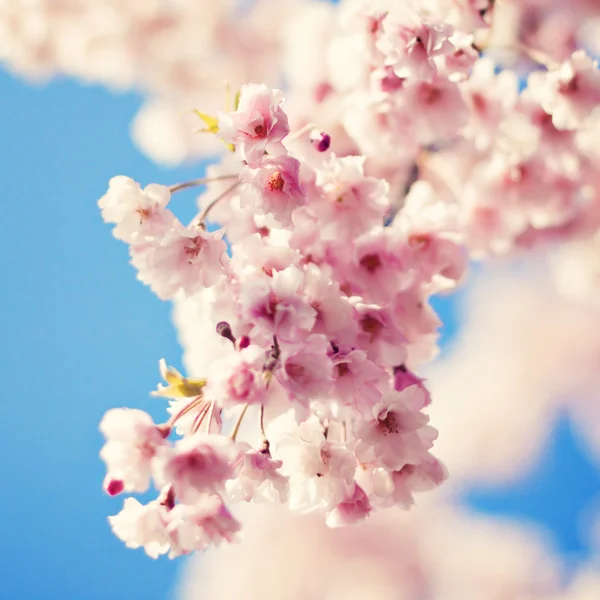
(82, 335)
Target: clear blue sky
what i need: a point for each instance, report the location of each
(81, 335)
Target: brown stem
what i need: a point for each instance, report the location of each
(238, 423)
(262, 423)
(197, 182)
(204, 214)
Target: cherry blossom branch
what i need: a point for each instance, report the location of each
(198, 182)
(266, 444)
(238, 423)
(204, 214)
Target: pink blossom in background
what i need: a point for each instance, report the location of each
(437, 550)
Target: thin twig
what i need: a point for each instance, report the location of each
(262, 423)
(238, 423)
(204, 213)
(197, 182)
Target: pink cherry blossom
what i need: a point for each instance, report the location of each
(431, 103)
(257, 477)
(275, 307)
(392, 436)
(380, 334)
(276, 187)
(306, 371)
(404, 378)
(138, 214)
(196, 465)
(411, 45)
(378, 266)
(422, 477)
(143, 526)
(353, 509)
(132, 442)
(198, 526)
(334, 311)
(350, 202)
(257, 126)
(571, 92)
(321, 472)
(358, 380)
(239, 378)
(184, 259)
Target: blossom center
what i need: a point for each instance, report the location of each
(370, 324)
(430, 94)
(389, 424)
(419, 241)
(342, 369)
(370, 262)
(275, 181)
(570, 86)
(144, 213)
(192, 249)
(295, 371)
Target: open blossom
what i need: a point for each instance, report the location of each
(431, 103)
(351, 202)
(378, 265)
(143, 526)
(334, 311)
(357, 380)
(423, 477)
(380, 333)
(321, 472)
(205, 523)
(351, 510)
(275, 187)
(305, 369)
(404, 378)
(570, 93)
(257, 477)
(257, 126)
(411, 44)
(392, 437)
(239, 378)
(275, 306)
(137, 213)
(185, 258)
(132, 442)
(196, 465)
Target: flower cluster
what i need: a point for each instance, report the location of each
(308, 310)
(506, 168)
(324, 315)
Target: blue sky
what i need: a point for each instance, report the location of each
(81, 335)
